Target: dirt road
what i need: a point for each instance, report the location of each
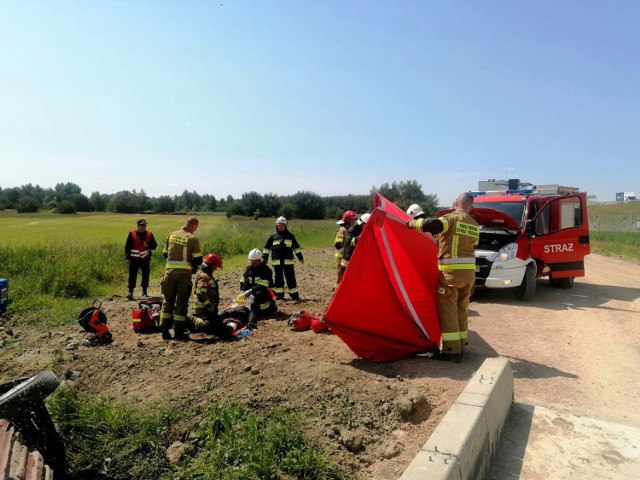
(575, 356)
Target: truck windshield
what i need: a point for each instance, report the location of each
(514, 209)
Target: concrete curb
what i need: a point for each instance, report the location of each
(463, 444)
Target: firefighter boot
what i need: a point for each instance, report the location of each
(130, 295)
(180, 331)
(166, 334)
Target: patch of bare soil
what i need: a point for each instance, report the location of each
(370, 417)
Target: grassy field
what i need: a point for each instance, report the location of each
(54, 263)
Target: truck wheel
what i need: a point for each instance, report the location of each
(527, 288)
(564, 282)
(27, 394)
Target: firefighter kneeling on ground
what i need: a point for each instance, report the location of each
(346, 223)
(257, 281)
(206, 297)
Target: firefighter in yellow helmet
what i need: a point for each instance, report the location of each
(457, 236)
(347, 221)
(183, 254)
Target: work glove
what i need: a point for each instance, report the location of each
(246, 295)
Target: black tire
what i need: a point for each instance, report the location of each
(527, 288)
(553, 282)
(25, 395)
(565, 282)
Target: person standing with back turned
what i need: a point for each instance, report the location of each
(137, 251)
(183, 254)
(457, 236)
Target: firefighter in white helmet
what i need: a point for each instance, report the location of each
(258, 279)
(415, 212)
(283, 248)
(352, 237)
(457, 236)
(347, 221)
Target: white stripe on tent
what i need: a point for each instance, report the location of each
(414, 314)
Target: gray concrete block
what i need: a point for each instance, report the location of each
(468, 435)
(432, 466)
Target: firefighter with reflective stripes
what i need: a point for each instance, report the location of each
(283, 246)
(457, 236)
(207, 296)
(258, 279)
(137, 251)
(351, 239)
(347, 221)
(182, 251)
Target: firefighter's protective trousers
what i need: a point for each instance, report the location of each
(454, 289)
(287, 272)
(176, 290)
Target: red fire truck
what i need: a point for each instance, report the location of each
(528, 234)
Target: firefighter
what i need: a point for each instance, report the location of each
(258, 279)
(415, 212)
(182, 251)
(207, 296)
(457, 236)
(137, 252)
(345, 223)
(282, 246)
(351, 239)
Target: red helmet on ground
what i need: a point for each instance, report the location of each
(318, 326)
(212, 260)
(300, 321)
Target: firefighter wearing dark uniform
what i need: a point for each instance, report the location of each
(345, 224)
(137, 251)
(457, 236)
(282, 246)
(351, 239)
(258, 278)
(182, 251)
(206, 296)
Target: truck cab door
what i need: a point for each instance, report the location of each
(559, 235)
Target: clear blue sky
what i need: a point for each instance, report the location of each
(227, 96)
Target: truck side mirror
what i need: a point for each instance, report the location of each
(529, 227)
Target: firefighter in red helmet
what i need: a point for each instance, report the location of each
(206, 295)
(347, 221)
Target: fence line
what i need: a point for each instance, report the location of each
(614, 223)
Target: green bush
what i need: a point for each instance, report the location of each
(65, 207)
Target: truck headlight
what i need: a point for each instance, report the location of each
(507, 252)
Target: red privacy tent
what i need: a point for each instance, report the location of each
(385, 306)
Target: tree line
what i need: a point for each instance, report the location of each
(67, 198)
